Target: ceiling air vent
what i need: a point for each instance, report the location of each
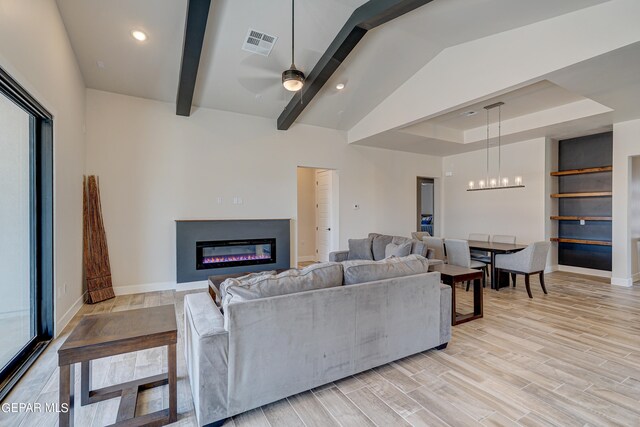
(259, 42)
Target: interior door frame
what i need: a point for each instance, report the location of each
(335, 211)
(419, 181)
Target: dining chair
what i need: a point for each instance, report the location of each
(436, 245)
(419, 235)
(478, 255)
(458, 254)
(504, 238)
(497, 238)
(531, 260)
(479, 237)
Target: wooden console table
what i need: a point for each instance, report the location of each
(452, 274)
(109, 334)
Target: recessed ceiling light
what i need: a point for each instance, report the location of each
(139, 35)
(469, 113)
(100, 65)
(340, 86)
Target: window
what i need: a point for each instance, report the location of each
(26, 222)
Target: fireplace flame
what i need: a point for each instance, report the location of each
(233, 258)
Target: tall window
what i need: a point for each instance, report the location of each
(26, 251)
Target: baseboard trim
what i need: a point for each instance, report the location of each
(585, 271)
(62, 323)
(306, 258)
(621, 281)
(159, 286)
(142, 288)
(192, 286)
(550, 269)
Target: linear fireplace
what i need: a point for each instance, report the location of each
(232, 253)
(200, 254)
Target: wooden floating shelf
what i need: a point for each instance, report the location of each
(590, 194)
(582, 218)
(582, 242)
(583, 171)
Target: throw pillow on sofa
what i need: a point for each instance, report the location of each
(417, 247)
(316, 276)
(369, 271)
(400, 250)
(379, 245)
(360, 248)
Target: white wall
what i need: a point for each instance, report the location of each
(156, 167)
(519, 212)
(306, 214)
(35, 50)
(625, 145)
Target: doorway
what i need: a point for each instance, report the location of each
(317, 223)
(425, 205)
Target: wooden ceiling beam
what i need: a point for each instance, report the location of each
(194, 30)
(368, 16)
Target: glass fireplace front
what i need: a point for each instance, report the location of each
(232, 253)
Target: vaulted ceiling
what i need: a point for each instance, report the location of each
(235, 80)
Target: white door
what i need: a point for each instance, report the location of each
(323, 214)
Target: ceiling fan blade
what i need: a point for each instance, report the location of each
(258, 85)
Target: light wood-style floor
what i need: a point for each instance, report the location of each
(571, 358)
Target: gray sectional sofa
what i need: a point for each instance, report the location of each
(334, 320)
(375, 247)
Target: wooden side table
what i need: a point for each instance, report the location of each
(452, 274)
(109, 334)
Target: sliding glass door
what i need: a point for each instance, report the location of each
(26, 250)
(16, 311)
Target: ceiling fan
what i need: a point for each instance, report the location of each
(293, 79)
(263, 76)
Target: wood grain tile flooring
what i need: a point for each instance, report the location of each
(571, 358)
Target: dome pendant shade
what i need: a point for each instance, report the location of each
(292, 79)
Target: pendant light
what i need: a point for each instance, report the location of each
(292, 79)
(499, 182)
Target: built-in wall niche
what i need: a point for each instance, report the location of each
(584, 201)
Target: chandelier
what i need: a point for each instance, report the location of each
(495, 182)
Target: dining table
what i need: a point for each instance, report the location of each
(494, 249)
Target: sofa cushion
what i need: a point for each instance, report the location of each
(360, 249)
(315, 276)
(401, 250)
(379, 245)
(246, 278)
(370, 271)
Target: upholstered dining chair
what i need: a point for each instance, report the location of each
(458, 254)
(496, 238)
(478, 255)
(528, 261)
(436, 244)
(503, 238)
(479, 237)
(419, 235)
